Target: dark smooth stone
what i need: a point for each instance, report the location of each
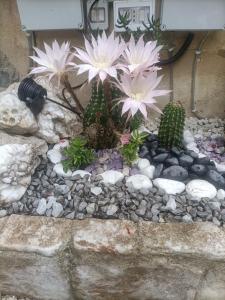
(216, 179)
(173, 161)
(152, 137)
(193, 175)
(186, 160)
(148, 156)
(193, 154)
(161, 150)
(152, 152)
(143, 151)
(211, 167)
(199, 170)
(160, 157)
(158, 170)
(176, 151)
(203, 161)
(175, 173)
(153, 145)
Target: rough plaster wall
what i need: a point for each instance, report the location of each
(13, 44)
(210, 75)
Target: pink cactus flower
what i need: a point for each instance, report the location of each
(140, 93)
(54, 62)
(141, 56)
(100, 57)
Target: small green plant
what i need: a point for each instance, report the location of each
(172, 125)
(77, 154)
(130, 151)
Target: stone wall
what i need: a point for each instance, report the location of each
(59, 259)
(210, 75)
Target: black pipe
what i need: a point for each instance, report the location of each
(179, 53)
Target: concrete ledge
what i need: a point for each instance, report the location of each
(59, 259)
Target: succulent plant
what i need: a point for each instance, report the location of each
(96, 120)
(172, 125)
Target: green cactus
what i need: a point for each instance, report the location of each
(96, 110)
(96, 120)
(172, 125)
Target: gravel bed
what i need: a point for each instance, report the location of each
(55, 196)
(80, 198)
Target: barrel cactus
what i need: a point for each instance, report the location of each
(172, 125)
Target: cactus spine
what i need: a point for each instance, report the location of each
(172, 125)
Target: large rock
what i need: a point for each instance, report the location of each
(53, 123)
(19, 156)
(138, 182)
(15, 117)
(169, 186)
(56, 122)
(198, 189)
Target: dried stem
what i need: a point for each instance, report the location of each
(69, 88)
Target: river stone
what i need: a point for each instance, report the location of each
(198, 189)
(138, 182)
(149, 172)
(199, 170)
(158, 170)
(185, 160)
(216, 179)
(160, 157)
(175, 173)
(173, 161)
(220, 194)
(143, 163)
(169, 186)
(58, 169)
(112, 176)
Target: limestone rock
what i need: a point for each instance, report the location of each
(198, 189)
(53, 123)
(15, 117)
(56, 122)
(138, 182)
(172, 187)
(19, 156)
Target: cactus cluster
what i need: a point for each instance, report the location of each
(172, 125)
(96, 120)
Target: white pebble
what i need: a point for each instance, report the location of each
(172, 187)
(220, 194)
(138, 182)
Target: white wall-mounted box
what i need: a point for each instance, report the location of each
(139, 11)
(50, 14)
(193, 14)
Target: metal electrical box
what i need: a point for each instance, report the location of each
(50, 14)
(193, 14)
